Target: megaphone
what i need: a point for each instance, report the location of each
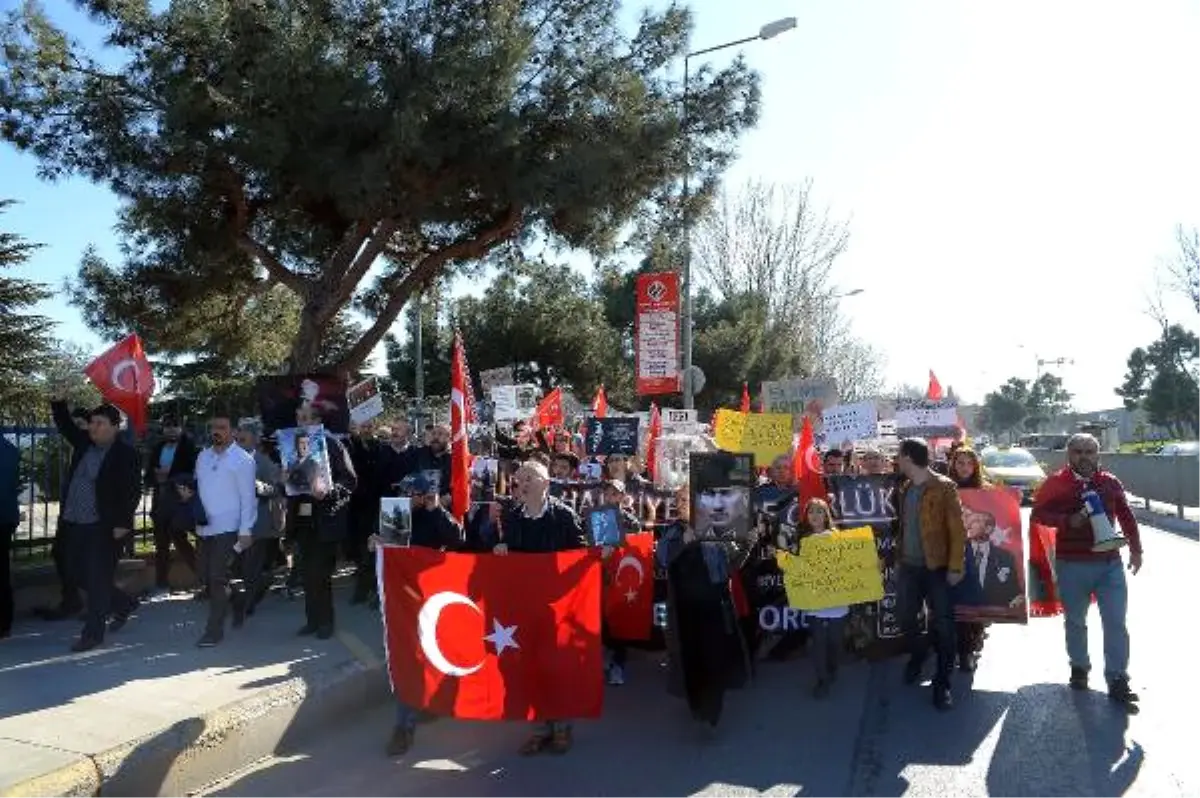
(1104, 537)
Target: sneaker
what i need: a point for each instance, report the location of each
(616, 675)
(912, 671)
(942, 698)
(560, 742)
(1119, 692)
(1079, 678)
(84, 644)
(401, 742)
(536, 743)
(208, 641)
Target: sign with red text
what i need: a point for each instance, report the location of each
(656, 338)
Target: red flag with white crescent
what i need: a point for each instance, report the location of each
(806, 465)
(123, 377)
(629, 588)
(460, 465)
(600, 404)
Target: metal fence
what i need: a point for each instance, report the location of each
(45, 459)
(1169, 479)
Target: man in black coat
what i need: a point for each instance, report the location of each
(365, 453)
(172, 456)
(103, 489)
(319, 522)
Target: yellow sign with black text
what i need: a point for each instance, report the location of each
(833, 570)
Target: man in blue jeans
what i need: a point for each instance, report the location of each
(1082, 572)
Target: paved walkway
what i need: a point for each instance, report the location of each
(149, 693)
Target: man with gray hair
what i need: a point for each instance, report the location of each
(540, 523)
(1082, 571)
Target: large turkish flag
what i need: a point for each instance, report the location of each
(629, 593)
(487, 637)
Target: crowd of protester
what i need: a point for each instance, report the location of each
(223, 508)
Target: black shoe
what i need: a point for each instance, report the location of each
(84, 644)
(912, 671)
(324, 632)
(402, 740)
(209, 640)
(118, 621)
(1079, 678)
(1119, 692)
(942, 698)
(307, 630)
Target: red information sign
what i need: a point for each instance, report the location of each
(656, 338)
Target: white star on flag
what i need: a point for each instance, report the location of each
(502, 636)
(631, 596)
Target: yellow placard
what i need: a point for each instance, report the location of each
(728, 429)
(833, 570)
(767, 436)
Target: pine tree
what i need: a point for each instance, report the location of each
(25, 338)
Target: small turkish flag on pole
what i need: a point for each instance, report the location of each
(483, 637)
(934, 391)
(745, 398)
(652, 441)
(123, 377)
(460, 465)
(629, 592)
(600, 404)
(806, 465)
(549, 411)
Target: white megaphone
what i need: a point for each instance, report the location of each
(1104, 536)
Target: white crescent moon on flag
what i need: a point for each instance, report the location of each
(635, 564)
(115, 376)
(427, 625)
(456, 400)
(813, 459)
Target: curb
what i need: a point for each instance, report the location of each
(1170, 523)
(198, 751)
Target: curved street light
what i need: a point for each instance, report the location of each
(768, 31)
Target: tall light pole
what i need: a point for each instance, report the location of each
(768, 31)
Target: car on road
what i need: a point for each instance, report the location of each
(1014, 467)
(1181, 449)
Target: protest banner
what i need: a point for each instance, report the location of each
(766, 436)
(994, 568)
(365, 401)
(927, 418)
(834, 570)
(607, 436)
(678, 422)
(651, 505)
(729, 427)
(800, 398)
(514, 402)
(656, 334)
(853, 422)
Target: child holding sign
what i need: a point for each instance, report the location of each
(826, 626)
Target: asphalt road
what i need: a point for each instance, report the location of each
(1016, 730)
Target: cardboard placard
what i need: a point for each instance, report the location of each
(612, 436)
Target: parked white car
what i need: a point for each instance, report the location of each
(1186, 448)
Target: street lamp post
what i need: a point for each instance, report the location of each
(768, 31)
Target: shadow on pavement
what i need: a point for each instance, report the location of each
(773, 737)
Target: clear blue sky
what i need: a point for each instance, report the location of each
(1013, 173)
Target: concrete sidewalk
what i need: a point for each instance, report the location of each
(150, 714)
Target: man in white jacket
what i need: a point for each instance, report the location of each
(225, 484)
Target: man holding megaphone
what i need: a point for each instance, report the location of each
(1081, 501)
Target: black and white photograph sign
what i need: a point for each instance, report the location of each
(612, 436)
(514, 402)
(926, 418)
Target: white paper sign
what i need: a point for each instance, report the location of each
(678, 422)
(926, 418)
(514, 402)
(365, 400)
(853, 422)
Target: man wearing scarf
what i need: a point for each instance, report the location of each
(1082, 572)
(539, 523)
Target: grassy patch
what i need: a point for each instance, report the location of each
(1143, 447)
